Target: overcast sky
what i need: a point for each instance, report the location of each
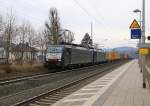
(111, 18)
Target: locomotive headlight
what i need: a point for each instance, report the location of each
(47, 56)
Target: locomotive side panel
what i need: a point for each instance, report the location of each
(99, 57)
(66, 58)
(81, 56)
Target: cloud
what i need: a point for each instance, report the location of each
(110, 18)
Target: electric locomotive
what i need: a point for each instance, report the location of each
(72, 55)
(68, 55)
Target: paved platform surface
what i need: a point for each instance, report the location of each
(96, 93)
(129, 91)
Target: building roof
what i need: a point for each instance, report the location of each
(19, 47)
(24, 47)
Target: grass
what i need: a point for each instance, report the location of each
(5, 69)
(20, 68)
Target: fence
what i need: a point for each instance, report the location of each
(147, 69)
(147, 74)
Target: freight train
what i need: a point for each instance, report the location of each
(73, 55)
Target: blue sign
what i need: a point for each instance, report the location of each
(136, 33)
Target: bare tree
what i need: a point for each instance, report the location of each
(87, 41)
(31, 38)
(53, 27)
(31, 35)
(1, 24)
(1, 28)
(42, 44)
(26, 37)
(67, 36)
(42, 40)
(23, 32)
(46, 38)
(9, 30)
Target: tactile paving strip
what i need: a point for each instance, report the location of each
(99, 89)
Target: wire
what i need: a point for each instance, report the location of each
(99, 13)
(91, 16)
(96, 20)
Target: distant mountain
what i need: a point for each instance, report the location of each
(124, 49)
(131, 51)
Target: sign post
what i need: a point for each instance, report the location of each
(136, 33)
(135, 30)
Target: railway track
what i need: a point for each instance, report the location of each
(35, 76)
(14, 80)
(14, 87)
(50, 97)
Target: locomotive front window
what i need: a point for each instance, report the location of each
(55, 49)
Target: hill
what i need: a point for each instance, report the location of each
(131, 51)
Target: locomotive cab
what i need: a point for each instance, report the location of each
(54, 55)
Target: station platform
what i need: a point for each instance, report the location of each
(121, 87)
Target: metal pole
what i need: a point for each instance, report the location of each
(143, 22)
(140, 40)
(140, 18)
(140, 64)
(143, 41)
(92, 32)
(140, 24)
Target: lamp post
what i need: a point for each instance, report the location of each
(143, 42)
(139, 11)
(143, 22)
(140, 22)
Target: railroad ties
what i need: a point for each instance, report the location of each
(71, 97)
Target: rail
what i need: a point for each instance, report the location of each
(27, 77)
(66, 87)
(40, 91)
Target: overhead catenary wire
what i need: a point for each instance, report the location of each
(99, 13)
(91, 16)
